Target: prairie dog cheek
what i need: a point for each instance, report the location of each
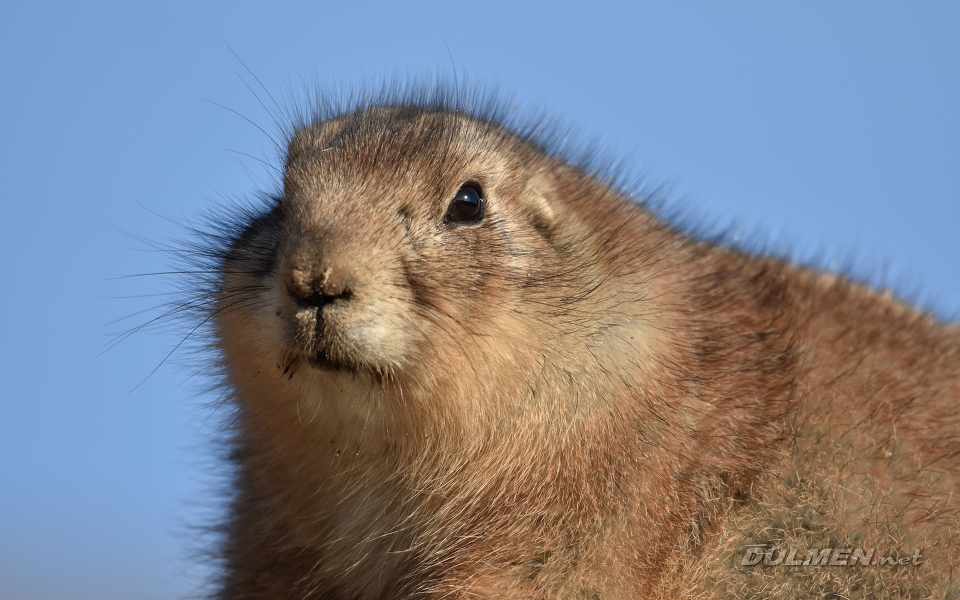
(384, 332)
(251, 337)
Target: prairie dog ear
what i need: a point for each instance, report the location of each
(537, 203)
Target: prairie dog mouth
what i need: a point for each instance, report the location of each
(322, 362)
(317, 336)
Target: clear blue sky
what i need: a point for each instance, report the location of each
(826, 130)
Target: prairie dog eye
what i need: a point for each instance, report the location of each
(466, 206)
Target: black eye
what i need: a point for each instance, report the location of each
(466, 206)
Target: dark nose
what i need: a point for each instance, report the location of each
(317, 286)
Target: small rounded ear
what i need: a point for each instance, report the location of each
(537, 205)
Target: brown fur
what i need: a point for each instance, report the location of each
(566, 399)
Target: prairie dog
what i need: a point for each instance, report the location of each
(465, 368)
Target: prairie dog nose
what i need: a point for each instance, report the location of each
(317, 285)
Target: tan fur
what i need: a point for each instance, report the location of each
(566, 399)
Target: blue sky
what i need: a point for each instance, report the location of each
(825, 131)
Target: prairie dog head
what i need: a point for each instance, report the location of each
(401, 225)
(418, 264)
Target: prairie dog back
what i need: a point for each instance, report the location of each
(465, 368)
